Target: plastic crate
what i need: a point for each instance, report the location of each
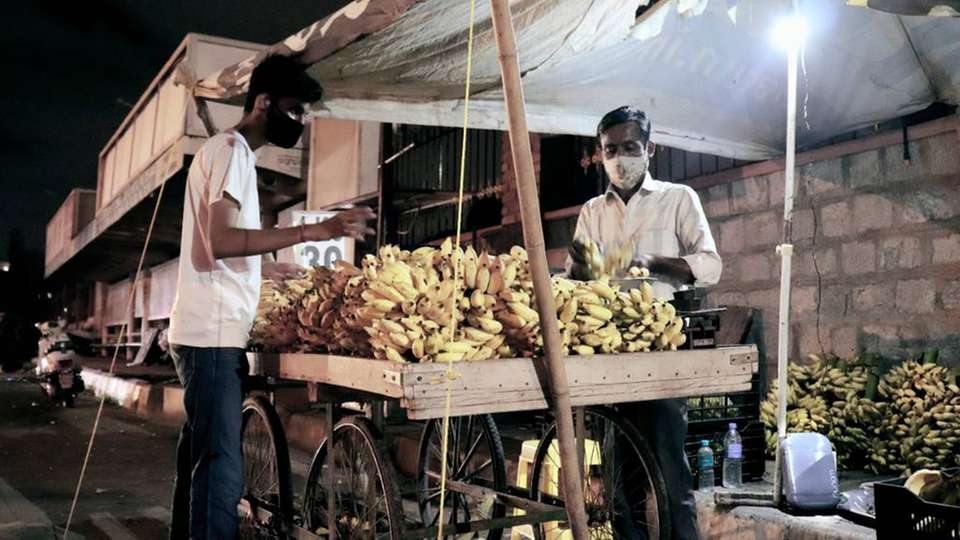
(901, 514)
(709, 417)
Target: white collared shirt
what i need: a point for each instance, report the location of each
(661, 218)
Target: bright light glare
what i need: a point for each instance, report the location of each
(790, 32)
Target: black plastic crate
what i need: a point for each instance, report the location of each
(709, 417)
(901, 514)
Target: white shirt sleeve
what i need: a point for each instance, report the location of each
(227, 176)
(697, 241)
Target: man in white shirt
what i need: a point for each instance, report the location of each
(218, 289)
(665, 228)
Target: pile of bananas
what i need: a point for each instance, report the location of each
(452, 304)
(909, 420)
(921, 427)
(276, 325)
(827, 395)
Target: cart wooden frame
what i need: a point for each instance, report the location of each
(483, 388)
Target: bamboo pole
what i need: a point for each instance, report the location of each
(533, 242)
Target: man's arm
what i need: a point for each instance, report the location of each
(229, 241)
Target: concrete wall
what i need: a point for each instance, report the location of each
(877, 261)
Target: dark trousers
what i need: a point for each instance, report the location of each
(663, 423)
(209, 480)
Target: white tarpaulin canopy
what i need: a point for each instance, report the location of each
(706, 71)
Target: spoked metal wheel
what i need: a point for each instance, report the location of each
(475, 457)
(266, 475)
(366, 499)
(624, 491)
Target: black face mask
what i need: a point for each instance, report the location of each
(282, 130)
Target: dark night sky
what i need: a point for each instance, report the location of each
(73, 69)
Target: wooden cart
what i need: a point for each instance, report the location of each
(356, 482)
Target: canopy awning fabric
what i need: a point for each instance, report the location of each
(706, 71)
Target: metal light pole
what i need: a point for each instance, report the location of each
(793, 28)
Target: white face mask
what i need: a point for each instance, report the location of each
(626, 172)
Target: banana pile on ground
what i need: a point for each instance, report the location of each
(451, 304)
(921, 427)
(828, 396)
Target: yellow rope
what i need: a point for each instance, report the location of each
(113, 362)
(456, 274)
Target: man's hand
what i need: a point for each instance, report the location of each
(278, 272)
(352, 223)
(643, 261)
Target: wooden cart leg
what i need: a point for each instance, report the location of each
(331, 477)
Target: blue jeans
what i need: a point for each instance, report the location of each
(209, 480)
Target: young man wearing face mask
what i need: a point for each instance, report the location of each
(664, 226)
(219, 287)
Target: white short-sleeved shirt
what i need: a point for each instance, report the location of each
(663, 219)
(216, 300)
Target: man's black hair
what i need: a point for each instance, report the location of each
(281, 76)
(622, 115)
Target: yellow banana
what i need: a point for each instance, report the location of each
(450, 357)
(491, 326)
(603, 289)
(599, 312)
(393, 355)
(477, 298)
(569, 311)
(524, 311)
(583, 350)
(475, 334)
(647, 292)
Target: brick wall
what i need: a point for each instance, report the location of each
(877, 256)
(511, 201)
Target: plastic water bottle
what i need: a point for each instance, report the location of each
(705, 466)
(732, 458)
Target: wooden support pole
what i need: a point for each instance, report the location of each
(533, 241)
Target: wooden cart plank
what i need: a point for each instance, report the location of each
(516, 384)
(373, 376)
(582, 371)
(534, 400)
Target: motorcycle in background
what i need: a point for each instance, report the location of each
(58, 367)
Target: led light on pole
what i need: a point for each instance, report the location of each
(790, 33)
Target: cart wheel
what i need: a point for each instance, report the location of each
(266, 475)
(474, 456)
(367, 500)
(622, 477)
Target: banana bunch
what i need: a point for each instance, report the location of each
(805, 412)
(827, 395)
(276, 324)
(922, 426)
(591, 263)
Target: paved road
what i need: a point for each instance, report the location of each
(126, 494)
(129, 479)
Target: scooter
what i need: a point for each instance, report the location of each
(59, 365)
